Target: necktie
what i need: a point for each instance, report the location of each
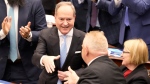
(63, 54)
(93, 15)
(12, 35)
(126, 18)
(63, 51)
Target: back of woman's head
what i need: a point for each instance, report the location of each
(138, 51)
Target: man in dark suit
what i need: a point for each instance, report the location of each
(135, 21)
(49, 6)
(109, 24)
(52, 46)
(28, 20)
(94, 54)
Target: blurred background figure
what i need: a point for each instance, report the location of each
(135, 54)
(21, 22)
(49, 8)
(135, 21)
(98, 18)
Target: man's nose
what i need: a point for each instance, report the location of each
(65, 22)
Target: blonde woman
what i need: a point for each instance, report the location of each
(135, 54)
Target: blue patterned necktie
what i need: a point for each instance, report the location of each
(63, 54)
(126, 18)
(12, 35)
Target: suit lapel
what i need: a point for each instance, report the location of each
(23, 16)
(55, 44)
(72, 49)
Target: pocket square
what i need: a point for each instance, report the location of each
(77, 52)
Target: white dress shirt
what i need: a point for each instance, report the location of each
(68, 42)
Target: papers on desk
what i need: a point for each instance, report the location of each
(4, 82)
(114, 52)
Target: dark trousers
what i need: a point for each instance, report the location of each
(15, 73)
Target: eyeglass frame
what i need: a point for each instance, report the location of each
(125, 52)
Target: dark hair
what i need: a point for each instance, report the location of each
(16, 2)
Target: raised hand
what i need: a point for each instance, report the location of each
(25, 31)
(6, 24)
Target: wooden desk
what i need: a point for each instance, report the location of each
(118, 61)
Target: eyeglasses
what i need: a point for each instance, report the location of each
(125, 52)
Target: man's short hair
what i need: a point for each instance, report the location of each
(65, 4)
(95, 40)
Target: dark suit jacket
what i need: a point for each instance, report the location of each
(81, 16)
(139, 14)
(32, 11)
(49, 45)
(108, 23)
(138, 76)
(102, 71)
(49, 6)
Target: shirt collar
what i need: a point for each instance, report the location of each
(93, 60)
(70, 33)
(6, 2)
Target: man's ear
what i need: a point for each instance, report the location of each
(86, 51)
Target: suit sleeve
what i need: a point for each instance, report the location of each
(40, 21)
(77, 4)
(88, 77)
(139, 80)
(138, 6)
(112, 9)
(103, 4)
(40, 50)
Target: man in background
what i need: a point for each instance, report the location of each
(21, 21)
(98, 18)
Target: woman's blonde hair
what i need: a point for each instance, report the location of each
(138, 51)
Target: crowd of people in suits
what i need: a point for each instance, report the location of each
(31, 53)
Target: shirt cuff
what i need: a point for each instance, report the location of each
(41, 60)
(97, 2)
(80, 1)
(29, 38)
(2, 35)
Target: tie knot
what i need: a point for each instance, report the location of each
(64, 36)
